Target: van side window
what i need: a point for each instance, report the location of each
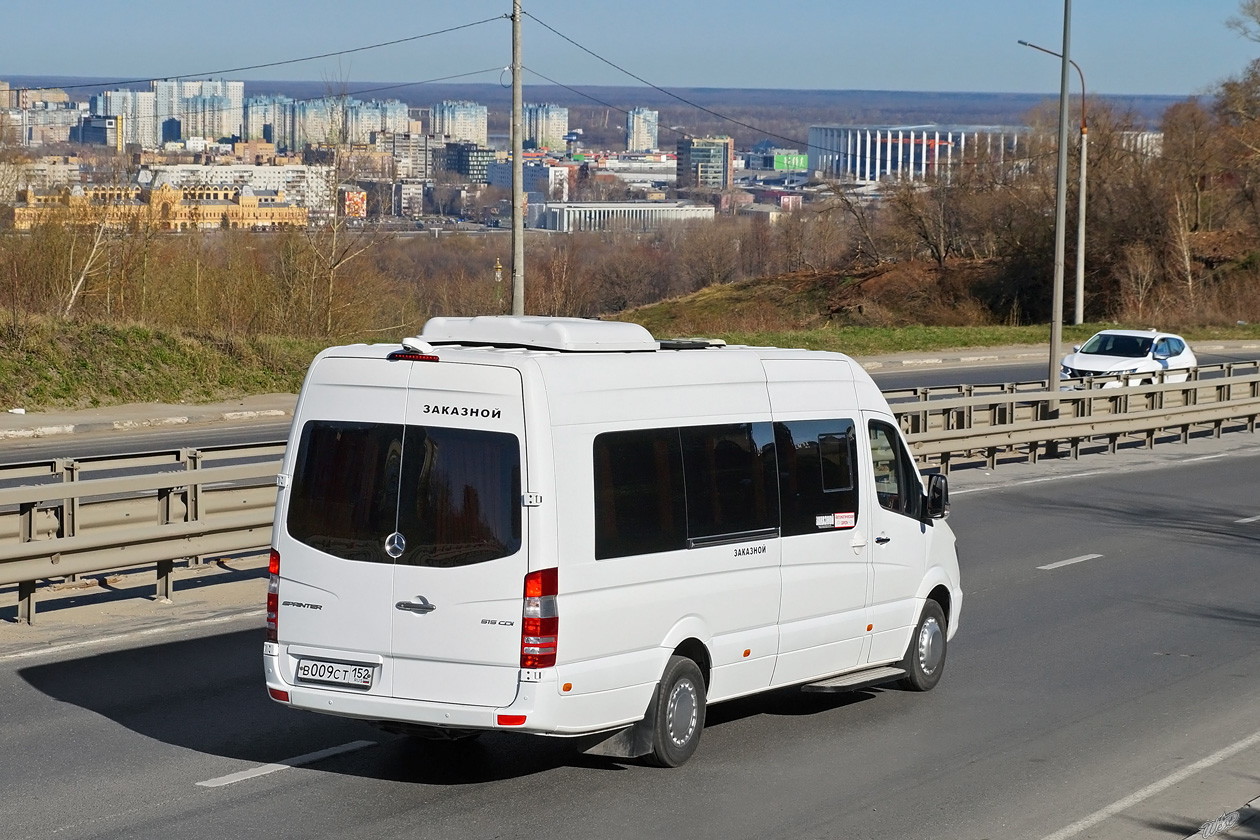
(817, 475)
(730, 479)
(640, 507)
(897, 485)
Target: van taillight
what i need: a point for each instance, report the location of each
(540, 623)
(273, 596)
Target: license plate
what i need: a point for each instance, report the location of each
(312, 670)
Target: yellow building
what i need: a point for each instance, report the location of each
(163, 207)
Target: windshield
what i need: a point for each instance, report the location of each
(453, 494)
(1125, 346)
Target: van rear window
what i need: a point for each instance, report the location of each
(453, 494)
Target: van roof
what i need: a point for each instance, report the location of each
(565, 334)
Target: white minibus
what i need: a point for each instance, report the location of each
(565, 527)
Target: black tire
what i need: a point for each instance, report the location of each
(679, 715)
(925, 658)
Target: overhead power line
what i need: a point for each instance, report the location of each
(594, 99)
(660, 89)
(264, 65)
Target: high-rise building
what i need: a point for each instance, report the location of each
(415, 155)
(461, 120)
(706, 162)
(470, 160)
(137, 107)
(545, 125)
(641, 129)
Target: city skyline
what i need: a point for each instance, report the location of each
(1125, 47)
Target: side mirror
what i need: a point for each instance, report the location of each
(1076, 348)
(937, 506)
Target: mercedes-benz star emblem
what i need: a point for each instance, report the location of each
(395, 545)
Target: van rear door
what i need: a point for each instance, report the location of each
(461, 562)
(337, 578)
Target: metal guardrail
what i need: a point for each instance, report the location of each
(215, 501)
(186, 504)
(943, 425)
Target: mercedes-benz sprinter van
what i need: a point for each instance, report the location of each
(566, 527)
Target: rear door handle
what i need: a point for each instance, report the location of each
(883, 540)
(423, 607)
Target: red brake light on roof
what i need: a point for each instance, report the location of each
(410, 356)
(540, 621)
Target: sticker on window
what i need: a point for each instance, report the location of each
(827, 521)
(845, 520)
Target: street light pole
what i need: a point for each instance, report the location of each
(1080, 226)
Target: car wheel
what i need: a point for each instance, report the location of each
(680, 708)
(925, 658)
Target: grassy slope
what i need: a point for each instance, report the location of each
(793, 312)
(51, 364)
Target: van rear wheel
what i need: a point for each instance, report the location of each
(680, 708)
(925, 658)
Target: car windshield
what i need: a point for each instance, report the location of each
(1126, 346)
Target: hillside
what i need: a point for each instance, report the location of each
(56, 364)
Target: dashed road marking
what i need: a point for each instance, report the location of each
(1062, 563)
(298, 761)
(1247, 521)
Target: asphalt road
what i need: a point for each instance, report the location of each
(1086, 691)
(996, 373)
(18, 451)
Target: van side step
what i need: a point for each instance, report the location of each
(855, 680)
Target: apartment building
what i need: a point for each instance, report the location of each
(641, 130)
(545, 125)
(461, 120)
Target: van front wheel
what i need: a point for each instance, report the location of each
(925, 658)
(680, 710)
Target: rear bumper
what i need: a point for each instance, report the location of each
(546, 711)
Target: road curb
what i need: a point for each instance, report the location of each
(57, 429)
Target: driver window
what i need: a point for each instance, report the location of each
(896, 484)
(1161, 348)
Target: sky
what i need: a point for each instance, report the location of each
(1171, 47)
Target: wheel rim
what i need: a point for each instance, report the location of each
(680, 713)
(931, 646)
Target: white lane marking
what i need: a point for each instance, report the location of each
(1062, 563)
(1247, 521)
(1206, 458)
(122, 637)
(1152, 789)
(1029, 481)
(1239, 453)
(265, 769)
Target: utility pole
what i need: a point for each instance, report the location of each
(518, 171)
(1060, 219)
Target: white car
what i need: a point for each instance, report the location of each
(1130, 352)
